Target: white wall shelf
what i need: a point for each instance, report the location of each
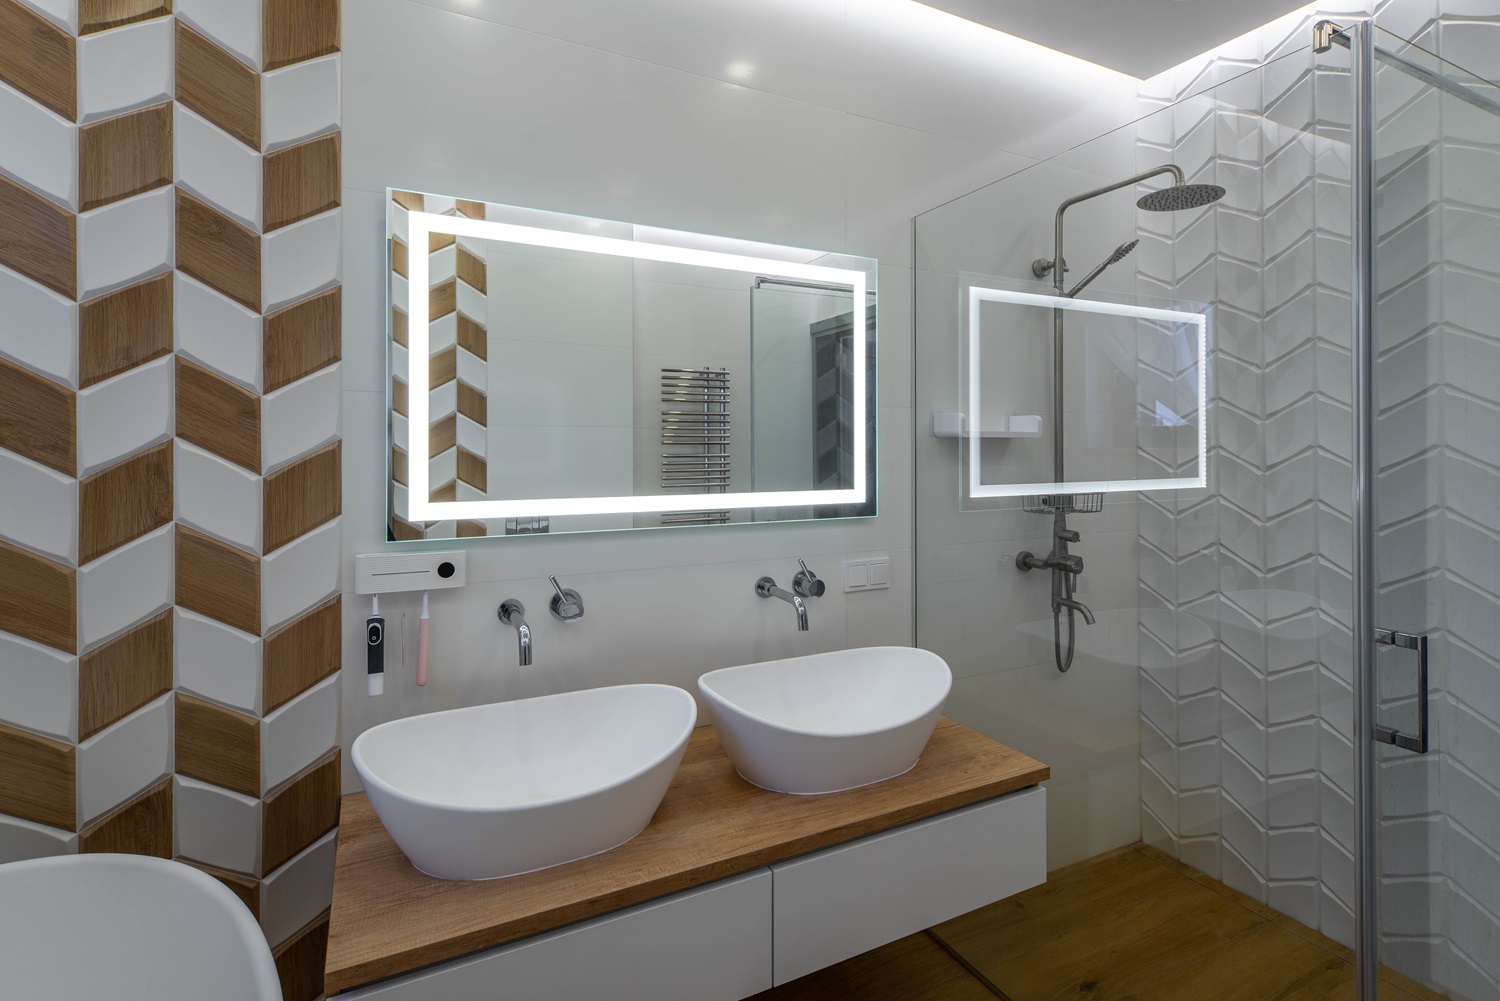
(950, 424)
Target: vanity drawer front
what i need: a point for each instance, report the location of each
(708, 944)
(847, 900)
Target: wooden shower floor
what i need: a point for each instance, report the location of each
(1130, 925)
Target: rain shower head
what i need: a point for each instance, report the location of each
(1181, 196)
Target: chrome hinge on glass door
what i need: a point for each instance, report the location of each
(1390, 735)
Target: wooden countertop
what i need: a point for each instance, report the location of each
(388, 918)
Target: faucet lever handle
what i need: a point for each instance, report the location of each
(567, 604)
(806, 583)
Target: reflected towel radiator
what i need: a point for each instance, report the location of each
(695, 435)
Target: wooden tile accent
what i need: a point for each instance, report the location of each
(442, 367)
(300, 811)
(303, 337)
(218, 251)
(444, 493)
(404, 531)
(472, 337)
(124, 674)
(437, 241)
(388, 918)
(400, 462)
(410, 200)
(472, 469)
(297, 30)
(400, 258)
(247, 888)
(300, 497)
(472, 270)
(218, 580)
(124, 502)
(218, 745)
(442, 299)
(38, 598)
(442, 435)
(472, 530)
(218, 86)
(299, 961)
(398, 396)
(99, 15)
(37, 238)
(473, 404)
(125, 156)
(474, 210)
(398, 326)
(300, 181)
(126, 328)
(141, 826)
(38, 58)
(37, 778)
(38, 418)
(218, 415)
(302, 653)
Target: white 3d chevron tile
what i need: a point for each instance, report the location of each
(217, 167)
(125, 68)
(218, 662)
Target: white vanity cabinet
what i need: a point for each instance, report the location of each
(738, 936)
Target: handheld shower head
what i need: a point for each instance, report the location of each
(1121, 252)
(1180, 197)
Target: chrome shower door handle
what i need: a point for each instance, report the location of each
(1416, 742)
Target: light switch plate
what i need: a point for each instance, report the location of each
(867, 574)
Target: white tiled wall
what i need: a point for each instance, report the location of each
(825, 124)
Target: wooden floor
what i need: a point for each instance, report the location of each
(1132, 925)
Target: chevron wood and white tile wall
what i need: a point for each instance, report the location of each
(169, 443)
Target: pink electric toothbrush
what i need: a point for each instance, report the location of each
(424, 629)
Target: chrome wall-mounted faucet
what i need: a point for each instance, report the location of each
(513, 613)
(805, 584)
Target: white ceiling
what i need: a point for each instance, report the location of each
(1138, 37)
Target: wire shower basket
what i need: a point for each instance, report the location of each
(1069, 503)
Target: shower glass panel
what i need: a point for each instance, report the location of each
(1206, 715)
(1436, 410)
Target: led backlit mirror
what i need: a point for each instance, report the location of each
(1131, 401)
(582, 375)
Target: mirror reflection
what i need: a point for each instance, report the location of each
(584, 375)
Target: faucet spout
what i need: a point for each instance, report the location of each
(1059, 603)
(766, 588)
(513, 613)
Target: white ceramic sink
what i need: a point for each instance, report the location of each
(127, 928)
(513, 787)
(831, 721)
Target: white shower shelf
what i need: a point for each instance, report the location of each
(948, 424)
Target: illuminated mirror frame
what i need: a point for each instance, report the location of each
(977, 488)
(422, 508)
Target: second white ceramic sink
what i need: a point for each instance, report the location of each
(831, 721)
(512, 787)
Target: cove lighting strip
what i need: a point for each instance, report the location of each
(980, 489)
(422, 508)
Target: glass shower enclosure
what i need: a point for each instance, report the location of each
(1283, 523)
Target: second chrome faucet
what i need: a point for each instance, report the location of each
(805, 584)
(566, 605)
